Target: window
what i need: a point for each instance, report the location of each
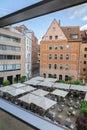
(56, 37)
(61, 47)
(60, 37)
(50, 56)
(50, 37)
(84, 69)
(84, 55)
(55, 76)
(85, 49)
(55, 56)
(55, 47)
(67, 46)
(49, 66)
(44, 75)
(67, 57)
(60, 77)
(66, 67)
(84, 62)
(66, 77)
(50, 47)
(61, 67)
(74, 36)
(54, 29)
(55, 66)
(61, 56)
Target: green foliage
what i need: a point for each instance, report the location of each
(6, 82)
(83, 84)
(15, 79)
(51, 76)
(84, 107)
(23, 78)
(69, 78)
(61, 81)
(77, 82)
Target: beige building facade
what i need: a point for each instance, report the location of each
(12, 53)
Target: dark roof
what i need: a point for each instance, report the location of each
(84, 36)
(71, 31)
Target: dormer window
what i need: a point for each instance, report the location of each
(74, 36)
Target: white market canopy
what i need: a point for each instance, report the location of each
(61, 86)
(42, 102)
(59, 93)
(79, 88)
(46, 84)
(39, 78)
(40, 92)
(6, 88)
(85, 97)
(16, 92)
(32, 82)
(28, 88)
(50, 80)
(18, 85)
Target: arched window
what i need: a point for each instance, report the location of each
(55, 76)
(67, 57)
(55, 66)
(66, 77)
(50, 56)
(44, 75)
(55, 56)
(61, 56)
(66, 67)
(60, 77)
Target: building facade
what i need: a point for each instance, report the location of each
(60, 52)
(83, 56)
(11, 55)
(28, 49)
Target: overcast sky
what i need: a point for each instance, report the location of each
(75, 16)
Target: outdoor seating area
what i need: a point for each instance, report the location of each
(58, 105)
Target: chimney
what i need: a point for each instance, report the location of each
(59, 22)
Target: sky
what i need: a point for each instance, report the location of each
(75, 16)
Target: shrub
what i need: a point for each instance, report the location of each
(84, 107)
(6, 82)
(76, 82)
(23, 78)
(15, 79)
(61, 81)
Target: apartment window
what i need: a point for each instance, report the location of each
(55, 66)
(61, 67)
(67, 57)
(61, 56)
(55, 47)
(67, 46)
(61, 47)
(74, 36)
(85, 49)
(49, 66)
(50, 37)
(84, 55)
(84, 62)
(50, 56)
(55, 56)
(66, 67)
(56, 37)
(50, 47)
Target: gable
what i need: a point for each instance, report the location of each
(54, 31)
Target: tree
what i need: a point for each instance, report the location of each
(15, 79)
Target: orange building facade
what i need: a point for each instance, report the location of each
(60, 52)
